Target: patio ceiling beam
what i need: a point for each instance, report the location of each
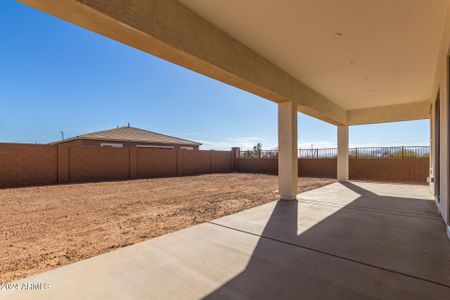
(392, 113)
(170, 30)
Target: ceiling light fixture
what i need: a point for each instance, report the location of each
(338, 34)
(352, 61)
(366, 78)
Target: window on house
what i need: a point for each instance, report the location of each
(155, 146)
(114, 145)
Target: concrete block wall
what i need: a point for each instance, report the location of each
(389, 169)
(325, 168)
(393, 169)
(156, 162)
(88, 164)
(322, 168)
(206, 161)
(223, 161)
(197, 162)
(29, 164)
(258, 165)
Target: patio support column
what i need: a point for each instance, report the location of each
(342, 155)
(287, 150)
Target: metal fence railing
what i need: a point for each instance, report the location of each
(360, 152)
(390, 152)
(318, 153)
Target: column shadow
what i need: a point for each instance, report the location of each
(374, 247)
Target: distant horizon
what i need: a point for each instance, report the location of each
(55, 76)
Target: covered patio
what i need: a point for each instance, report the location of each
(351, 240)
(344, 62)
(340, 61)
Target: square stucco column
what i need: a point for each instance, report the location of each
(287, 150)
(342, 156)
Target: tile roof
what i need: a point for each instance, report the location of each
(131, 134)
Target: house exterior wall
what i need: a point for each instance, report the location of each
(441, 88)
(443, 160)
(432, 149)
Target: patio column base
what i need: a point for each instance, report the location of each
(292, 198)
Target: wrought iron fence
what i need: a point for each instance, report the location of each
(360, 152)
(390, 152)
(318, 153)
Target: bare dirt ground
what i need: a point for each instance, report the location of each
(46, 227)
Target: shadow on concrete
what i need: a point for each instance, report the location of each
(374, 247)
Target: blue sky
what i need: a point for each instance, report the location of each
(55, 76)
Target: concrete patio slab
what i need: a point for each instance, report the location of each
(286, 250)
(352, 221)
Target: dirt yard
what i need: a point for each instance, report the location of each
(46, 227)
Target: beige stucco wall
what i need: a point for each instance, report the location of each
(392, 113)
(441, 86)
(444, 145)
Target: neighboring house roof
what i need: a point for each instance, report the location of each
(131, 134)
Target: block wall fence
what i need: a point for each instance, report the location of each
(380, 169)
(30, 164)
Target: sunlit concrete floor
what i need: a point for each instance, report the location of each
(347, 240)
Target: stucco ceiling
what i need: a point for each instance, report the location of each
(358, 53)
